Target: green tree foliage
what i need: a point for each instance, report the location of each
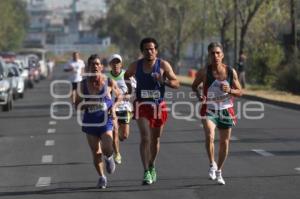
(172, 22)
(263, 41)
(247, 9)
(288, 78)
(175, 23)
(223, 11)
(13, 24)
(263, 67)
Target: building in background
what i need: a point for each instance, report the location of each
(64, 26)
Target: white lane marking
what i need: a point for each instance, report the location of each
(263, 152)
(233, 138)
(297, 169)
(47, 158)
(190, 119)
(52, 123)
(187, 118)
(43, 182)
(178, 113)
(51, 130)
(50, 143)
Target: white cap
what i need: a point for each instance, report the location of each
(114, 56)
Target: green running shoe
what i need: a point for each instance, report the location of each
(153, 174)
(147, 178)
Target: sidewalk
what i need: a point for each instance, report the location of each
(279, 98)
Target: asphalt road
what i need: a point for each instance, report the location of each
(48, 157)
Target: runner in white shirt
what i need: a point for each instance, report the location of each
(220, 84)
(76, 68)
(124, 109)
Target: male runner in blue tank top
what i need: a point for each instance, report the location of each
(152, 75)
(220, 84)
(94, 98)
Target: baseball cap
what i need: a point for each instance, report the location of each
(114, 56)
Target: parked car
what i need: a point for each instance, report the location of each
(24, 60)
(24, 72)
(6, 91)
(41, 54)
(17, 81)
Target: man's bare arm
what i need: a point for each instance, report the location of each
(200, 78)
(129, 73)
(237, 89)
(172, 80)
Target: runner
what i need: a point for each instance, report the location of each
(220, 84)
(76, 68)
(124, 110)
(94, 98)
(152, 75)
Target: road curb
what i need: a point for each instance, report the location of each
(264, 100)
(273, 102)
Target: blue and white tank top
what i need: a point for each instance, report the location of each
(99, 104)
(148, 89)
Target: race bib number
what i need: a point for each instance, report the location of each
(124, 106)
(101, 106)
(219, 98)
(154, 94)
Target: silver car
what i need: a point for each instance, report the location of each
(17, 81)
(6, 91)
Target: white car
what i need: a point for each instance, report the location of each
(18, 80)
(24, 72)
(6, 91)
(41, 54)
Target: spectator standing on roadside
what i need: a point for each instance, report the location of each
(241, 66)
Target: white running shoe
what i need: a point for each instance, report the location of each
(220, 179)
(102, 182)
(110, 164)
(212, 171)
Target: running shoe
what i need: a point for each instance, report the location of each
(118, 158)
(220, 179)
(102, 182)
(153, 174)
(147, 178)
(110, 164)
(212, 171)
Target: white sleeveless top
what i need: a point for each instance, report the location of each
(216, 98)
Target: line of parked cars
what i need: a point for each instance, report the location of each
(19, 71)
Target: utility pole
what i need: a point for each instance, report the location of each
(74, 17)
(73, 23)
(204, 16)
(178, 39)
(235, 31)
(294, 26)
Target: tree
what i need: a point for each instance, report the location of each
(264, 43)
(172, 22)
(293, 18)
(246, 11)
(224, 14)
(13, 24)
